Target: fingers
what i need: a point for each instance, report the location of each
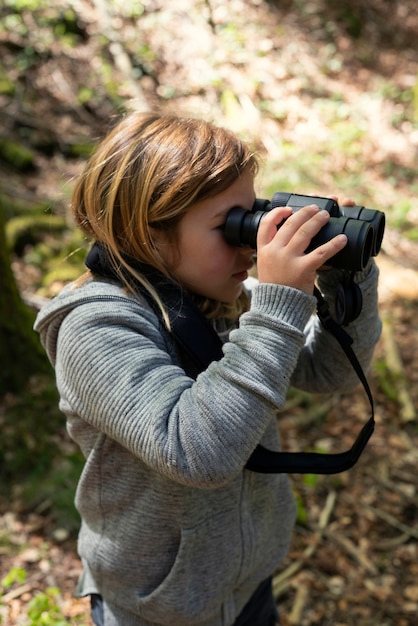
(326, 251)
(297, 230)
(282, 245)
(344, 202)
(303, 230)
(302, 226)
(348, 202)
(270, 223)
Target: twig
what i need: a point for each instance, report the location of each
(404, 529)
(352, 550)
(282, 581)
(17, 592)
(302, 594)
(406, 477)
(406, 490)
(394, 363)
(393, 521)
(391, 544)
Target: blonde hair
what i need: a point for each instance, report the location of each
(143, 177)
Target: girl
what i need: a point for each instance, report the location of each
(175, 531)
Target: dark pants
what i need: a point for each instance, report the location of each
(260, 610)
(96, 602)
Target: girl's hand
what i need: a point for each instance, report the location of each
(281, 257)
(345, 202)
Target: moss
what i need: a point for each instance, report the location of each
(20, 350)
(13, 207)
(29, 229)
(17, 155)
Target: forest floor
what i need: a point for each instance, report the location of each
(354, 557)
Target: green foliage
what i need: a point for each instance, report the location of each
(349, 15)
(405, 101)
(37, 458)
(28, 424)
(15, 575)
(55, 487)
(230, 104)
(60, 261)
(77, 149)
(388, 381)
(16, 155)
(308, 482)
(48, 243)
(20, 350)
(301, 511)
(14, 207)
(310, 479)
(31, 229)
(60, 21)
(44, 610)
(132, 9)
(26, 5)
(85, 94)
(7, 87)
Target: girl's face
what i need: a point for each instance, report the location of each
(202, 262)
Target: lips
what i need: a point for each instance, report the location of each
(241, 276)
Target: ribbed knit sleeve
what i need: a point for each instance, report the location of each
(118, 372)
(115, 372)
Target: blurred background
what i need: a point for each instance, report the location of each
(327, 92)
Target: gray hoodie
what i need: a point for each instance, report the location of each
(174, 530)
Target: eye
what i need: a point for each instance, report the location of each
(222, 226)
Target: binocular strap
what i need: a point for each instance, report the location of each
(199, 345)
(268, 462)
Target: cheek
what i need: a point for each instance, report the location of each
(205, 259)
(220, 256)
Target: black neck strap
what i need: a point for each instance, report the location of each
(266, 461)
(199, 345)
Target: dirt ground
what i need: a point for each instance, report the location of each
(354, 557)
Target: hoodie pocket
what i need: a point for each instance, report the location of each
(202, 577)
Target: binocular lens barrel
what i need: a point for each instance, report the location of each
(375, 218)
(358, 250)
(364, 227)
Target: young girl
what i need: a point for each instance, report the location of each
(175, 530)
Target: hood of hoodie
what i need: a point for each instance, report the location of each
(50, 317)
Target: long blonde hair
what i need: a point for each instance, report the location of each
(144, 176)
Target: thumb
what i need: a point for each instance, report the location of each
(270, 223)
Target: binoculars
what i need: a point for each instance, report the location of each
(363, 227)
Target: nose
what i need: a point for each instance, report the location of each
(248, 250)
(247, 253)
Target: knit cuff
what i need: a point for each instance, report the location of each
(290, 305)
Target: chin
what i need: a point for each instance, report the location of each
(232, 295)
(228, 295)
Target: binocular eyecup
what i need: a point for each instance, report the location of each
(364, 227)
